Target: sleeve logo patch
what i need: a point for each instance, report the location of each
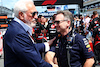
(88, 47)
(85, 41)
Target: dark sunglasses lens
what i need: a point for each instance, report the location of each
(33, 14)
(56, 22)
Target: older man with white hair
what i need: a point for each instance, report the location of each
(20, 49)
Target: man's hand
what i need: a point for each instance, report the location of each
(54, 65)
(89, 62)
(44, 31)
(51, 41)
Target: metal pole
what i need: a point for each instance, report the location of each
(1, 6)
(78, 11)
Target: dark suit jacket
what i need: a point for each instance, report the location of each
(19, 50)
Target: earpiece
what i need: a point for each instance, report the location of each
(69, 27)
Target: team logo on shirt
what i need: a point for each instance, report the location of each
(87, 45)
(53, 26)
(85, 41)
(89, 48)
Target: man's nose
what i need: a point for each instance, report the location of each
(35, 16)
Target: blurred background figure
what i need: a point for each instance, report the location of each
(52, 32)
(81, 25)
(40, 30)
(96, 37)
(77, 24)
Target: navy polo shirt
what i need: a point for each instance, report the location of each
(79, 52)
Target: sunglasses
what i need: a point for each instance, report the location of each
(59, 21)
(33, 14)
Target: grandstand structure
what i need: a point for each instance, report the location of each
(6, 11)
(91, 5)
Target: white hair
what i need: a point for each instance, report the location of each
(21, 6)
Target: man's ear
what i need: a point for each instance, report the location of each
(69, 23)
(21, 15)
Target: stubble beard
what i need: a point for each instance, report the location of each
(29, 23)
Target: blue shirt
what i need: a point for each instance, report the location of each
(25, 26)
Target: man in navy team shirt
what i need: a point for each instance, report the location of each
(72, 50)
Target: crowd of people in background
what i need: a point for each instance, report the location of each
(81, 24)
